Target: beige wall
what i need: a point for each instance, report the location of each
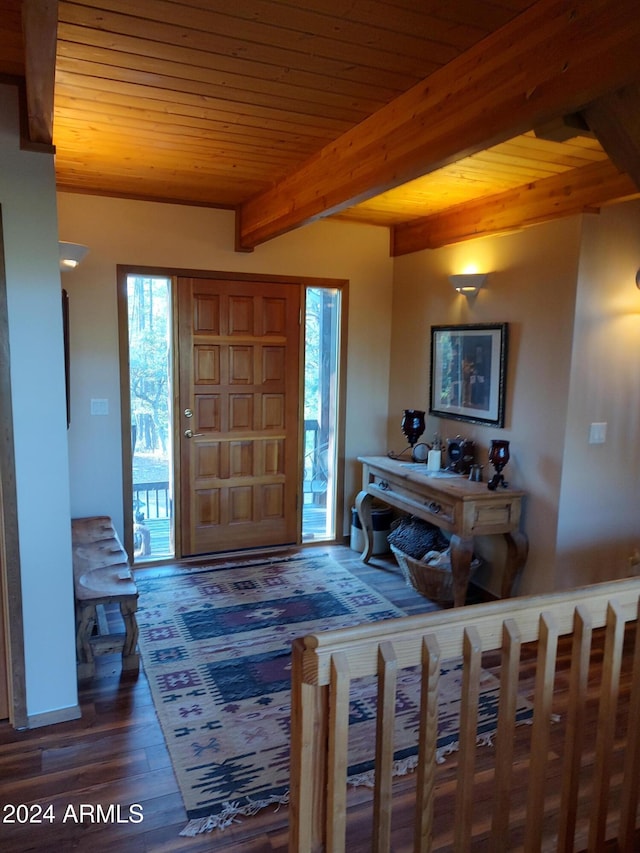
(600, 496)
(544, 281)
(130, 232)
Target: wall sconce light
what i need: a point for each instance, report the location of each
(468, 283)
(70, 255)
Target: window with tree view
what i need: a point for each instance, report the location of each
(149, 314)
(322, 323)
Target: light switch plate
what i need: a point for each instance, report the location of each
(598, 433)
(99, 407)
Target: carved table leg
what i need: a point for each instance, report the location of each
(130, 658)
(363, 507)
(461, 554)
(517, 551)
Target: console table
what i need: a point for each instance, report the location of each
(452, 502)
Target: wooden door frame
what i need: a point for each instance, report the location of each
(173, 273)
(10, 575)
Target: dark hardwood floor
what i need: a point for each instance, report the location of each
(115, 756)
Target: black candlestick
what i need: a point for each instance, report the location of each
(412, 425)
(498, 456)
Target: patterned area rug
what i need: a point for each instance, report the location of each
(215, 646)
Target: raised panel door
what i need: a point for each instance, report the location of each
(239, 374)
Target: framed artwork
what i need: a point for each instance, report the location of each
(468, 370)
(65, 332)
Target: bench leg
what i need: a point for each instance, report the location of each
(130, 658)
(85, 620)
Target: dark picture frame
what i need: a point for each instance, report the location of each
(65, 334)
(468, 372)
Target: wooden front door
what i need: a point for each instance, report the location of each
(239, 378)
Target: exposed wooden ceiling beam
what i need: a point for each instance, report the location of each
(564, 127)
(552, 60)
(572, 192)
(40, 27)
(615, 119)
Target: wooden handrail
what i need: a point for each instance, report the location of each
(325, 664)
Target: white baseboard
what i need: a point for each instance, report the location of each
(50, 718)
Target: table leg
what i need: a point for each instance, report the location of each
(461, 554)
(363, 507)
(85, 620)
(517, 551)
(130, 658)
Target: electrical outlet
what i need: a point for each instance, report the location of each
(598, 433)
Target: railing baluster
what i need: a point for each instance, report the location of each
(308, 758)
(427, 744)
(338, 746)
(580, 660)
(606, 724)
(545, 679)
(385, 724)
(509, 672)
(631, 779)
(468, 735)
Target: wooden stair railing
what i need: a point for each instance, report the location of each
(324, 665)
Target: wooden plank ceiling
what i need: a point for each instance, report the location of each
(442, 121)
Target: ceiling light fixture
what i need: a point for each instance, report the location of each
(70, 255)
(468, 283)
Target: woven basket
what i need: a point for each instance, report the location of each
(434, 582)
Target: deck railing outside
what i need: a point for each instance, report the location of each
(152, 500)
(153, 513)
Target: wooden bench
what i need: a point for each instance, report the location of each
(102, 575)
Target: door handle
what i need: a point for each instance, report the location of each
(190, 434)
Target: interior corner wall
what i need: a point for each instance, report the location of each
(532, 287)
(27, 196)
(599, 527)
(141, 233)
